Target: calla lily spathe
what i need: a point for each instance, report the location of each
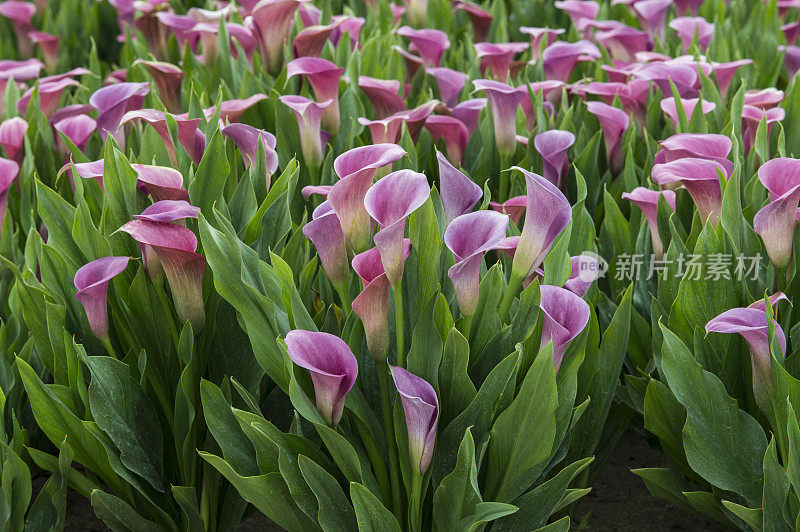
(421, 409)
(91, 281)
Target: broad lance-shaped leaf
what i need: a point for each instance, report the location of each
(332, 366)
(175, 246)
(390, 201)
(469, 236)
(356, 169)
(776, 222)
(421, 409)
(91, 281)
(459, 193)
(372, 304)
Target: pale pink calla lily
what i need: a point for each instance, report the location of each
(552, 145)
(450, 82)
(12, 138)
(499, 58)
(701, 179)
(429, 44)
(309, 118)
(160, 182)
(78, 129)
(20, 14)
(647, 201)
(670, 108)
(168, 211)
(48, 46)
(751, 118)
(383, 94)
(764, 98)
(513, 207)
(711, 146)
(113, 102)
(168, 79)
(776, 222)
(503, 100)
(246, 139)
(91, 281)
(8, 173)
(271, 22)
(614, 123)
(421, 408)
(564, 316)
(459, 193)
(469, 112)
(584, 270)
(454, 133)
(653, 15)
(539, 35)
(189, 134)
(559, 59)
(323, 76)
(481, 20)
(689, 27)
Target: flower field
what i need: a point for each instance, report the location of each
(372, 266)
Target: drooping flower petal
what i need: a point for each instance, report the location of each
(385, 130)
(565, 315)
(390, 201)
(232, 110)
(468, 237)
(547, 213)
(91, 281)
(310, 41)
(764, 98)
(647, 201)
(552, 145)
(50, 93)
(584, 270)
(160, 182)
(469, 112)
(421, 408)
(700, 178)
(77, 129)
(332, 366)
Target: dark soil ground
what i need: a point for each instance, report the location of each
(618, 500)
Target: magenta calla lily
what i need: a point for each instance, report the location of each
(390, 201)
(653, 15)
(701, 179)
(498, 58)
(684, 6)
(383, 94)
(160, 182)
(78, 129)
(709, 146)
(579, 11)
(764, 98)
(168, 79)
(8, 173)
(89, 170)
(372, 304)
(356, 169)
(688, 28)
(469, 112)
(724, 73)
(469, 236)
(559, 59)
(309, 118)
(584, 271)
(189, 134)
(540, 35)
(776, 222)
(480, 19)
(421, 408)
(503, 100)
(325, 232)
(310, 41)
(459, 193)
(547, 214)
(751, 118)
(246, 139)
(429, 44)
(451, 83)
(271, 22)
(670, 108)
(175, 246)
(647, 201)
(623, 42)
(91, 281)
(50, 93)
(332, 365)
(385, 130)
(232, 110)
(12, 138)
(48, 46)
(552, 145)
(20, 14)
(454, 133)
(513, 207)
(168, 211)
(113, 102)
(323, 76)
(752, 325)
(614, 123)
(564, 316)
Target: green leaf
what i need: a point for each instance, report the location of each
(458, 494)
(371, 514)
(335, 513)
(456, 390)
(119, 515)
(236, 447)
(208, 183)
(776, 490)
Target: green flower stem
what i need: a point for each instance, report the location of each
(505, 177)
(167, 308)
(344, 297)
(388, 432)
(415, 517)
(397, 290)
(109, 348)
(466, 326)
(511, 291)
(376, 459)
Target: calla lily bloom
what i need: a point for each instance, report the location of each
(623, 42)
(383, 94)
(539, 35)
(180, 26)
(670, 108)
(469, 236)
(791, 58)
(78, 129)
(91, 281)
(684, 76)
(689, 27)
(8, 173)
(513, 207)
(709, 146)
(454, 133)
(552, 146)
(168, 79)
(450, 82)
(752, 116)
(429, 44)
(584, 270)
(564, 316)
(469, 112)
(459, 193)
(346, 25)
(700, 178)
(323, 76)
(390, 201)
(232, 110)
(791, 31)
(246, 139)
(764, 98)
(48, 45)
(551, 94)
(481, 20)
(632, 95)
(356, 169)
(175, 246)
(385, 130)
(421, 408)
(503, 100)
(559, 59)
(415, 118)
(20, 15)
(113, 102)
(12, 138)
(271, 22)
(498, 58)
(724, 73)
(579, 11)
(89, 170)
(752, 324)
(682, 6)
(309, 117)
(50, 93)
(332, 366)
(614, 123)
(372, 304)
(168, 211)
(547, 213)
(653, 15)
(325, 232)
(189, 135)
(311, 40)
(413, 62)
(647, 201)
(776, 222)
(160, 182)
